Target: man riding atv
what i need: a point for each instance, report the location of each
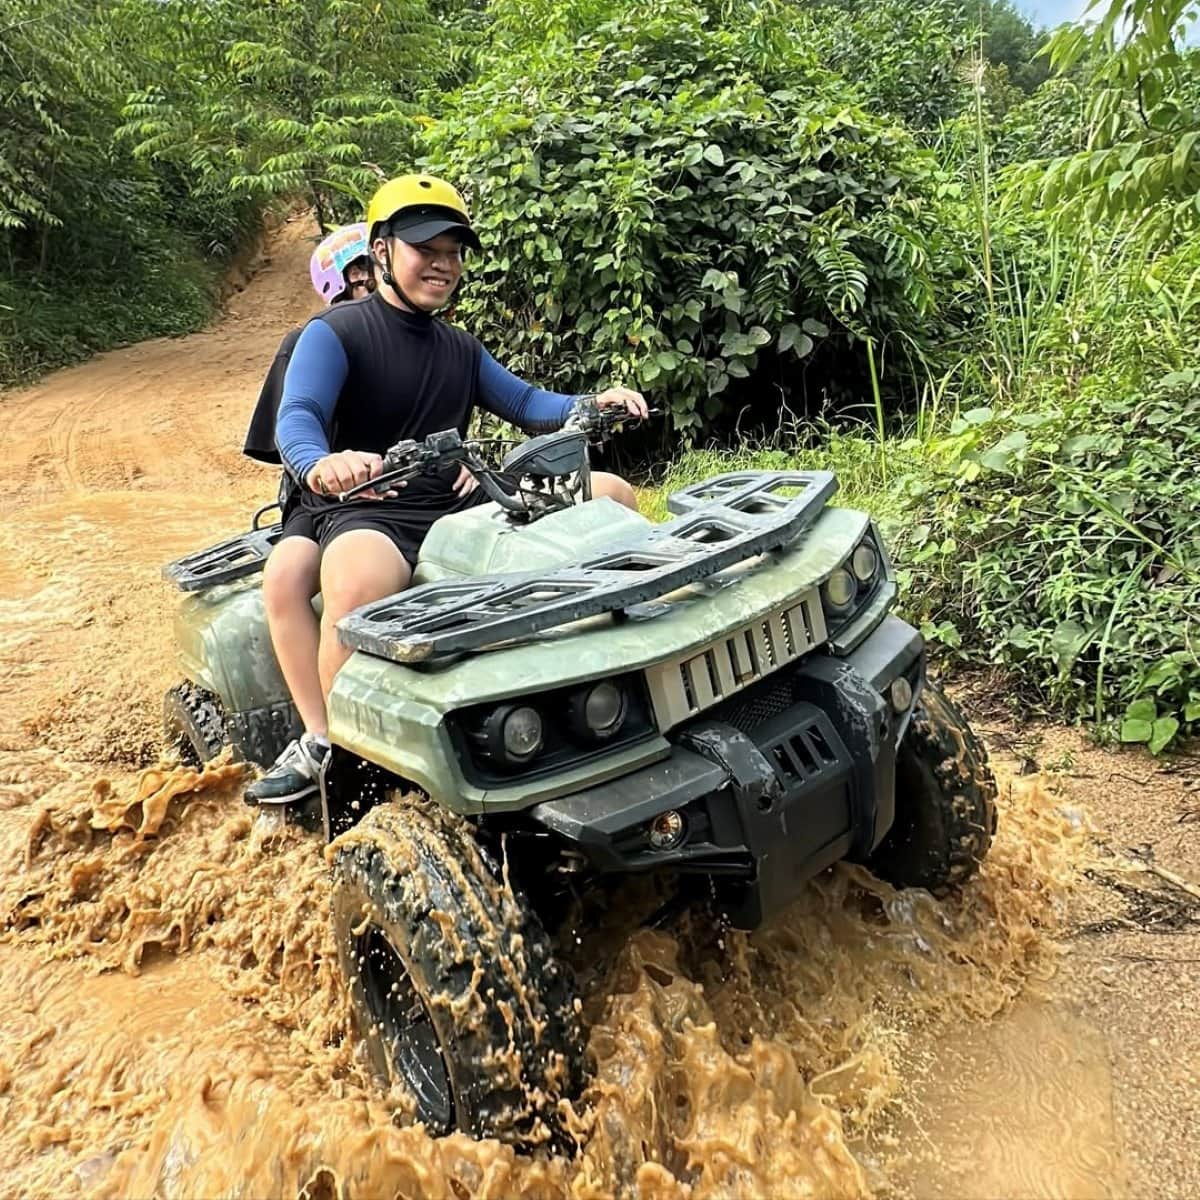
(363, 376)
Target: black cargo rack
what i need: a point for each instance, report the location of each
(231, 559)
(719, 523)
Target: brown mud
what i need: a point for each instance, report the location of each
(175, 1023)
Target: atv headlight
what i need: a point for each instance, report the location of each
(852, 583)
(839, 590)
(597, 712)
(541, 732)
(864, 562)
(513, 734)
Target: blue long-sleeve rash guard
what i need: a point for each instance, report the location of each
(319, 369)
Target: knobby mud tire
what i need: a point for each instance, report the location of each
(945, 801)
(501, 1007)
(194, 724)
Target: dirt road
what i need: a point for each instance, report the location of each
(174, 1025)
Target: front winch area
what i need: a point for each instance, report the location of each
(759, 816)
(760, 794)
(766, 788)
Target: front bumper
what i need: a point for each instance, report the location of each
(775, 785)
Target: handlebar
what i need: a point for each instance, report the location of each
(409, 458)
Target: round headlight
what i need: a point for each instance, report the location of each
(598, 712)
(521, 733)
(604, 708)
(864, 563)
(839, 589)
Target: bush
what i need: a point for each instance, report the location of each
(690, 208)
(99, 248)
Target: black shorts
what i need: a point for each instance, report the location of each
(404, 525)
(297, 520)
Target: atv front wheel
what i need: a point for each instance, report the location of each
(193, 723)
(945, 800)
(454, 989)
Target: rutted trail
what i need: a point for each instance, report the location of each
(175, 1019)
(125, 462)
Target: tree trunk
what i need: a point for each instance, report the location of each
(44, 250)
(318, 206)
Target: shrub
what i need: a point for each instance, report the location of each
(1059, 531)
(690, 208)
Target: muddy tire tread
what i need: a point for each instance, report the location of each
(194, 723)
(945, 800)
(402, 859)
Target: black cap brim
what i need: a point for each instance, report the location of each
(425, 229)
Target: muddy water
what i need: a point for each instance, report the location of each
(1018, 1108)
(178, 1028)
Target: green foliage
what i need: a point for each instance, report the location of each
(1061, 526)
(1142, 158)
(96, 247)
(905, 59)
(1051, 123)
(292, 97)
(1009, 40)
(915, 61)
(690, 207)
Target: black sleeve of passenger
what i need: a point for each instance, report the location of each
(260, 437)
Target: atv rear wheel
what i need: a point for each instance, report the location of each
(945, 800)
(193, 723)
(455, 992)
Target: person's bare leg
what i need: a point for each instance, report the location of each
(291, 579)
(357, 567)
(604, 483)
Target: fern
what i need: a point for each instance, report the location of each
(834, 271)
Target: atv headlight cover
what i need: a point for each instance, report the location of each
(850, 586)
(864, 562)
(513, 734)
(597, 712)
(540, 732)
(839, 590)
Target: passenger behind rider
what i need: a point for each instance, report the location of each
(340, 270)
(362, 377)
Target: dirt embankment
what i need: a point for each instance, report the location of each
(176, 1026)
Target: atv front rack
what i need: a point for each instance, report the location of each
(231, 559)
(719, 523)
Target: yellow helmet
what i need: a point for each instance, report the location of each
(419, 207)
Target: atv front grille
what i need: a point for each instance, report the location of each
(757, 705)
(800, 755)
(682, 687)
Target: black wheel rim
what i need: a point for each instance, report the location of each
(407, 1029)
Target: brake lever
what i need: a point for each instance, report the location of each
(373, 485)
(595, 422)
(409, 458)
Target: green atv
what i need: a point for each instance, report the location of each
(570, 695)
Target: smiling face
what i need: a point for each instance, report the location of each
(428, 272)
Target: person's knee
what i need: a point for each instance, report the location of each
(291, 576)
(345, 593)
(615, 488)
(359, 567)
